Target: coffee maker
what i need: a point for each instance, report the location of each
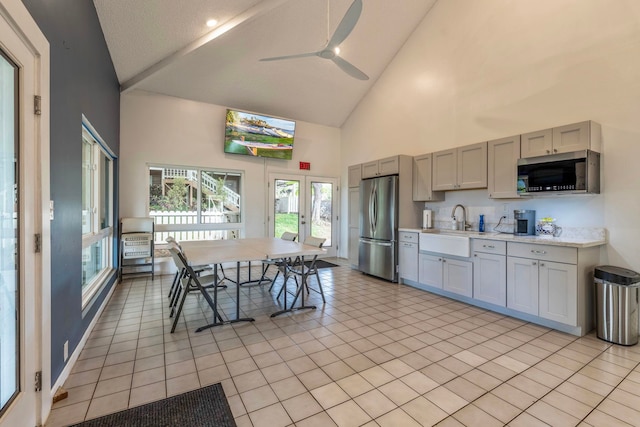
(524, 222)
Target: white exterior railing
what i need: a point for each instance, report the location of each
(163, 218)
(208, 182)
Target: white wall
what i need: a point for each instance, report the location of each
(158, 129)
(479, 70)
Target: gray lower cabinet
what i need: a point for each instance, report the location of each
(408, 256)
(543, 280)
(430, 270)
(522, 285)
(548, 284)
(457, 276)
(490, 271)
(449, 274)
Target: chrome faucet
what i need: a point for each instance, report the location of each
(464, 217)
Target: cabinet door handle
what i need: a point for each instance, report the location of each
(534, 263)
(541, 264)
(555, 150)
(489, 246)
(444, 260)
(533, 251)
(475, 255)
(439, 259)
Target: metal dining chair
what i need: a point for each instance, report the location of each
(181, 273)
(287, 235)
(189, 282)
(304, 270)
(198, 269)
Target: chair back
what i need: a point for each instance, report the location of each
(315, 241)
(173, 242)
(178, 257)
(287, 235)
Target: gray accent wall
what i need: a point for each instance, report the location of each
(83, 81)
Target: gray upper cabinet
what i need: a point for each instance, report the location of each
(382, 167)
(355, 175)
(503, 155)
(422, 171)
(460, 168)
(562, 139)
(537, 143)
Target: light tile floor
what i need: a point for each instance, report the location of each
(376, 354)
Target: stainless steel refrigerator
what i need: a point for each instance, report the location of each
(378, 250)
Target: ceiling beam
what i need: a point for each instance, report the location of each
(250, 14)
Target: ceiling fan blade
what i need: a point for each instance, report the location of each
(345, 26)
(350, 69)
(298, 55)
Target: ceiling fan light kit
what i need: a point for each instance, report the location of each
(332, 49)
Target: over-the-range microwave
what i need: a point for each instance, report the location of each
(577, 172)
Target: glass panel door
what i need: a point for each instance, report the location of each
(321, 212)
(9, 233)
(24, 285)
(286, 206)
(305, 205)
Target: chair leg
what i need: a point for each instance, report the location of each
(177, 292)
(185, 291)
(173, 284)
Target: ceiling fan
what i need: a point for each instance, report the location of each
(332, 49)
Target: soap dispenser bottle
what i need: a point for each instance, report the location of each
(481, 224)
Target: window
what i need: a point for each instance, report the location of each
(195, 204)
(97, 212)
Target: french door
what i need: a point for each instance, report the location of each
(22, 308)
(306, 205)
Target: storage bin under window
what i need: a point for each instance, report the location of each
(136, 246)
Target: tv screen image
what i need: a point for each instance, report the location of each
(258, 135)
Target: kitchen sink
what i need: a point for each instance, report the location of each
(447, 242)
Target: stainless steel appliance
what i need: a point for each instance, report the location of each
(577, 172)
(378, 248)
(524, 222)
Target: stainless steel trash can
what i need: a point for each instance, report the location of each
(617, 304)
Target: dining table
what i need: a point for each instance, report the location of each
(217, 252)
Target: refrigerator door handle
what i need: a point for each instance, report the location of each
(371, 195)
(369, 242)
(375, 208)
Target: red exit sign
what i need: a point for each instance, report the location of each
(305, 166)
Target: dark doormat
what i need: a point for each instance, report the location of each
(322, 264)
(206, 406)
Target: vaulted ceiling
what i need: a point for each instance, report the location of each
(164, 46)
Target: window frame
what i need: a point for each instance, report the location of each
(96, 233)
(199, 226)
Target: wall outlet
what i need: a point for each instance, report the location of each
(506, 212)
(66, 350)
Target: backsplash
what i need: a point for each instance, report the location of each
(579, 216)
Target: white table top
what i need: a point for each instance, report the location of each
(241, 250)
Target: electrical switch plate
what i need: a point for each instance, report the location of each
(66, 350)
(51, 210)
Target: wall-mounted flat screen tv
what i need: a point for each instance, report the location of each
(258, 135)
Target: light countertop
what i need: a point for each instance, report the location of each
(574, 241)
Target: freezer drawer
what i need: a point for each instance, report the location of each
(378, 258)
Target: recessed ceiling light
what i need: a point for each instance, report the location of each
(336, 50)
(211, 23)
